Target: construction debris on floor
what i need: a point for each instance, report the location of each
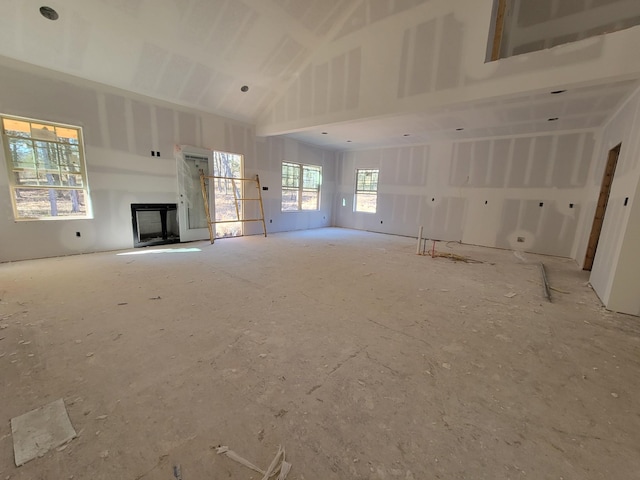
(40, 430)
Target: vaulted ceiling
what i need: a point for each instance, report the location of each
(200, 53)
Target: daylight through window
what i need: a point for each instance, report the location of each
(300, 187)
(366, 190)
(47, 172)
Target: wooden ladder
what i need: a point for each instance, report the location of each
(237, 199)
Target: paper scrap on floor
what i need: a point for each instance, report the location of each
(38, 431)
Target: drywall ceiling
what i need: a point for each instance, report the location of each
(197, 53)
(571, 109)
(200, 53)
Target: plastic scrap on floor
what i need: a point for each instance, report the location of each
(40, 430)
(278, 465)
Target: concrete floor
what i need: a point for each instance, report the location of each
(362, 359)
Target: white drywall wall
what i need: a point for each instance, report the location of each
(539, 24)
(429, 56)
(120, 130)
(614, 275)
(483, 192)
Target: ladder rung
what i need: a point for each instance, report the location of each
(236, 221)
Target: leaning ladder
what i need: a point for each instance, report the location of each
(237, 199)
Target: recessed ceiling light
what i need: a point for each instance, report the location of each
(244, 88)
(553, 119)
(325, 133)
(49, 13)
(557, 92)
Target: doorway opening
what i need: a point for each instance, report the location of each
(601, 208)
(229, 165)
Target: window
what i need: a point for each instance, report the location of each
(47, 174)
(300, 187)
(366, 190)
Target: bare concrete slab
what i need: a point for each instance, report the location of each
(38, 431)
(367, 361)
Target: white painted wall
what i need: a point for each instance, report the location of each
(120, 130)
(443, 186)
(616, 270)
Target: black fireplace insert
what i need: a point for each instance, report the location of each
(154, 224)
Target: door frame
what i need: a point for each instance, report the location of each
(601, 207)
(190, 234)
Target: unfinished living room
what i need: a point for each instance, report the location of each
(320, 239)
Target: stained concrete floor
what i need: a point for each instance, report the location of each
(364, 360)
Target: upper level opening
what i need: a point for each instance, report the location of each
(523, 26)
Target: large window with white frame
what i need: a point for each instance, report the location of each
(366, 196)
(47, 171)
(300, 187)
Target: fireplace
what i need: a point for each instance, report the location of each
(154, 224)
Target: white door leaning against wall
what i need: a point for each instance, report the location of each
(192, 218)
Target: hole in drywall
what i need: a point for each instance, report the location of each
(459, 129)
(485, 202)
(348, 141)
(406, 135)
(49, 13)
(626, 201)
(520, 239)
(433, 199)
(571, 205)
(325, 133)
(553, 119)
(157, 153)
(270, 220)
(265, 188)
(541, 204)
(380, 222)
(78, 234)
(153, 153)
(244, 88)
(557, 92)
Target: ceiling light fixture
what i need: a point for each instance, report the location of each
(49, 13)
(553, 119)
(557, 92)
(244, 88)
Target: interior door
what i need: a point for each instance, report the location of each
(192, 218)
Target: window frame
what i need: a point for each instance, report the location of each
(364, 191)
(36, 144)
(300, 188)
